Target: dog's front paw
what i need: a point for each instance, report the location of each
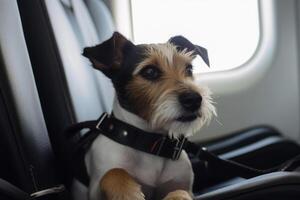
(129, 195)
(117, 184)
(178, 195)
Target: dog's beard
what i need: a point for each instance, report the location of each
(168, 110)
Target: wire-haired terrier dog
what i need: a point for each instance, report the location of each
(155, 92)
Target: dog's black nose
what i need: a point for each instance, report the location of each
(190, 101)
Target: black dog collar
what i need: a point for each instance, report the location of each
(125, 134)
(148, 142)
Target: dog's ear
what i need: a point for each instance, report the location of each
(182, 43)
(108, 56)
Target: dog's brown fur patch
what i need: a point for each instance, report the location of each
(118, 184)
(178, 195)
(144, 93)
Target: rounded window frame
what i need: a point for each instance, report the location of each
(255, 68)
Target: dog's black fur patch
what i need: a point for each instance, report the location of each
(182, 43)
(132, 57)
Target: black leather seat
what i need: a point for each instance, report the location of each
(69, 89)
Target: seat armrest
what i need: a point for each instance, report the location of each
(277, 183)
(11, 192)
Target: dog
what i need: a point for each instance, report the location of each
(155, 92)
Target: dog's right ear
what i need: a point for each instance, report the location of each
(108, 56)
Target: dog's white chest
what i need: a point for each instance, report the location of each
(149, 170)
(106, 154)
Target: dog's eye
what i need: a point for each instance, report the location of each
(189, 70)
(150, 72)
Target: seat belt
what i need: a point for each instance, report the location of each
(10, 191)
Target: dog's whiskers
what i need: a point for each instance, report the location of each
(218, 121)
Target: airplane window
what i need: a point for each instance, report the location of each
(228, 29)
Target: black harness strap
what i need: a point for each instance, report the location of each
(214, 163)
(155, 144)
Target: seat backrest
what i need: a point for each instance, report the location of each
(74, 28)
(70, 90)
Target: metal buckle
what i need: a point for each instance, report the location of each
(101, 119)
(178, 148)
(54, 190)
(198, 154)
(200, 151)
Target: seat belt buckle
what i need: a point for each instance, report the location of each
(101, 119)
(178, 148)
(49, 191)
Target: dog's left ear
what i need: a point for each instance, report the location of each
(182, 43)
(108, 56)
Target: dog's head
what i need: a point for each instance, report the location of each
(155, 81)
